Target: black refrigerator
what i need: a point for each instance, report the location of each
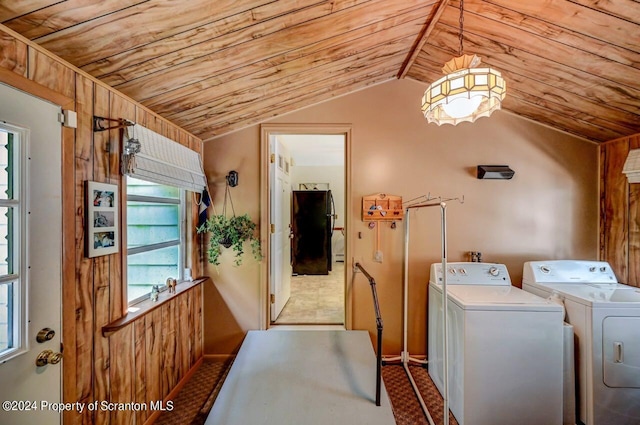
(312, 220)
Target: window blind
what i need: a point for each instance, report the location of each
(150, 156)
(632, 166)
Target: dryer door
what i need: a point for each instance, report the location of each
(621, 350)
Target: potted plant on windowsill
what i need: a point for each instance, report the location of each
(230, 232)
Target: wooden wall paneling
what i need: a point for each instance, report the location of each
(84, 266)
(183, 138)
(170, 360)
(140, 375)
(141, 116)
(154, 123)
(51, 73)
(171, 133)
(184, 332)
(190, 338)
(13, 54)
(634, 225)
(614, 208)
(122, 374)
(154, 357)
(101, 358)
(197, 325)
(101, 278)
(120, 108)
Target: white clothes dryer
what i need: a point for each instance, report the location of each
(505, 347)
(605, 315)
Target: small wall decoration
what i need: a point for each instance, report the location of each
(382, 207)
(101, 219)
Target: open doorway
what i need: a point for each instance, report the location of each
(307, 197)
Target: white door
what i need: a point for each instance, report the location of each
(30, 260)
(280, 216)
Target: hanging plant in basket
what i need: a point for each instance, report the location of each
(230, 232)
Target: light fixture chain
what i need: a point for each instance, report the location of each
(461, 25)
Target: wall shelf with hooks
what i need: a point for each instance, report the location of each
(382, 207)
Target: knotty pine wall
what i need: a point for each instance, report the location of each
(145, 360)
(619, 211)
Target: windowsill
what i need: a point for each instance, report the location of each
(142, 308)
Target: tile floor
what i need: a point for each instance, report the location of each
(315, 299)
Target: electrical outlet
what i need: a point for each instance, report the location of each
(377, 257)
(356, 260)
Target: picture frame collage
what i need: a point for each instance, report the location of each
(102, 230)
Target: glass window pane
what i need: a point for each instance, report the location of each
(6, 223)
(150, 223)
(144, 188)
(6, 164)
(151, 268)
(6, 316)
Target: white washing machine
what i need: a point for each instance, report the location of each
(605, 316)
(505, 347)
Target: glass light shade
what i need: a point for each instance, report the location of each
(465, 94)
(462, 106)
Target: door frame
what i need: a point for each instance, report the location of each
(266, 131)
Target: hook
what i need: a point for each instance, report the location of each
(232, 178)
(460, 200)
(98, 126)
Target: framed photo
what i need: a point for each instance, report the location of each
(101, 219)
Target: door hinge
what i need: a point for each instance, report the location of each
(272, 158)
(273, 228)
(273, 298)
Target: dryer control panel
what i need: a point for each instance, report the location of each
(466, 273)
(568, 271)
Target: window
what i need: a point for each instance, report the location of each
(12, 231)
(155, 236)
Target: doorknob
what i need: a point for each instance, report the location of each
(48, 357)
(45, 335)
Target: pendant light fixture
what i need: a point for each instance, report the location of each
(466, 92)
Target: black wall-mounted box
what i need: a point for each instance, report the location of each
(499, 172)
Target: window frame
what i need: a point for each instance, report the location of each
(18, 276)
(181, 242)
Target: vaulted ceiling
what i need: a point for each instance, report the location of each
(215, 66)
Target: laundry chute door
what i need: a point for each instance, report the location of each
(280, 257)
(30, 259)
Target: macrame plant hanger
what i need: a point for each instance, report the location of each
(227, 197)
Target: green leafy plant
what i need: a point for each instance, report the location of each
(230, 232)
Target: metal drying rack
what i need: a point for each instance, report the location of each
(426, 201)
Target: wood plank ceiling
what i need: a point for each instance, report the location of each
(215, 66)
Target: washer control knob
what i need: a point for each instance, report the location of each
(592, 269)
(545, 269)
(603, 269)
(452, 271)
(462, 271)
(494, 271)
